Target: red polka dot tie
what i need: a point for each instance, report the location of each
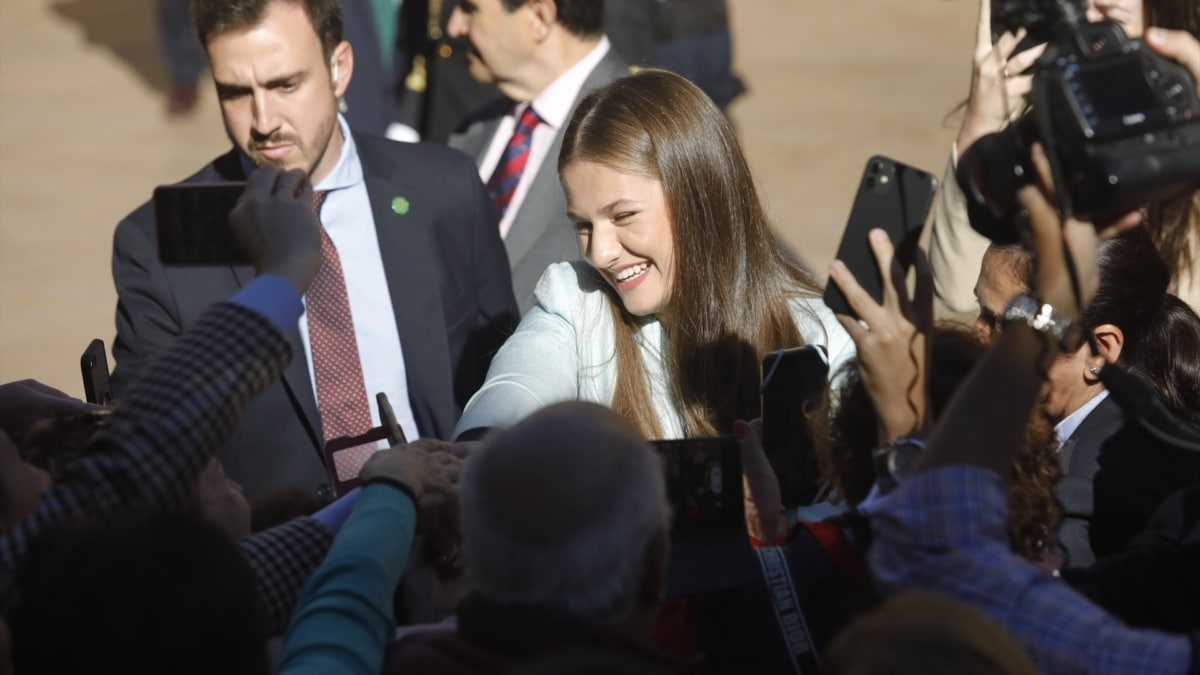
(341, 393)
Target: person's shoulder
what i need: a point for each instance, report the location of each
(810, 312)
(611, 67)
(819, 325)
(570, 289)
(488, 112)
(426, 158)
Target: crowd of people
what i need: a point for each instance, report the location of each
(1009, 440)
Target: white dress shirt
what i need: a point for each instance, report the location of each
(1067, 425)
(554, 106)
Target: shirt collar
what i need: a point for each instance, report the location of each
(556, 101)
(1067, 425)
(346, 173)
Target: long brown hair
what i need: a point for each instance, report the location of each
(732, 282)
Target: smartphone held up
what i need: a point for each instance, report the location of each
(894, 197)
(192, 224)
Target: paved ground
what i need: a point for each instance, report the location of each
(83, 138)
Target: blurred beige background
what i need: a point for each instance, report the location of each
(84, 138)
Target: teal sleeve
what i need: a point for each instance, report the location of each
(344, 620)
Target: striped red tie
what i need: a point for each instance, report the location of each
(503, 183)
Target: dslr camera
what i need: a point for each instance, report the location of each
(1120, 124)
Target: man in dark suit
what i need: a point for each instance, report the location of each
(1115, 474)
(414, 289)
(543, 55)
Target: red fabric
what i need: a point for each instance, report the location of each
(337, 370)
(831, 538)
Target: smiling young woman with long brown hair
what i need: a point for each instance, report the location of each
(682, 288)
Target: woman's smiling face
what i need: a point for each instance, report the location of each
(625, 232)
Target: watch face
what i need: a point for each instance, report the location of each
(901, 458)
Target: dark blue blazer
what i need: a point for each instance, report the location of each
(447, 274)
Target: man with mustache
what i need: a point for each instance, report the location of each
(414, 294)
(543, 55)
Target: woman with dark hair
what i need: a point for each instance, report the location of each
(1115, 474)
(682, 287)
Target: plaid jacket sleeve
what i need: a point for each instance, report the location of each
(167, 425)
(282, 558)
(943, 531)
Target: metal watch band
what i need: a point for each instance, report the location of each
(1043, 318)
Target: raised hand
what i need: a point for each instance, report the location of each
(274, 222)
(762, 500)
(892, 339)
(998, 89)
(1065, 273)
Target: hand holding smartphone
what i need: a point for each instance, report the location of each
(894, 197)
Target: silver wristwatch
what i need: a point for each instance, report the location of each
(1043, 318)
(894, 461)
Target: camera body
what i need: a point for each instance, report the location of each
(1120, 124)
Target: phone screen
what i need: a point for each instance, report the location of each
(193, 224)
(893, 197)
(704, 483)
(793, 386)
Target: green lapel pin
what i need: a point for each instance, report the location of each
(400, 205)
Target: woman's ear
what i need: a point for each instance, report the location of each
(1110, 339)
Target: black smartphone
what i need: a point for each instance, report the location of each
(704, 483)
(94, 363)
(192, 221)
(793, 386)
(709, 547)
(894, 197)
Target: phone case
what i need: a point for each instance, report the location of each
(894, 197)
(793, 384)
(94, 365)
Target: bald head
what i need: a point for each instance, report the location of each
(560, 510)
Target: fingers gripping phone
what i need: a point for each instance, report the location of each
(793, 384)
(895, 198)
(192, 223)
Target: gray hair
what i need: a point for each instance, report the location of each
(560, 512)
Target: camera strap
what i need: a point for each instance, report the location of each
(792, 624)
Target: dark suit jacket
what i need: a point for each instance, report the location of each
(541, 234)
(447, 276)
(1114, 477)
